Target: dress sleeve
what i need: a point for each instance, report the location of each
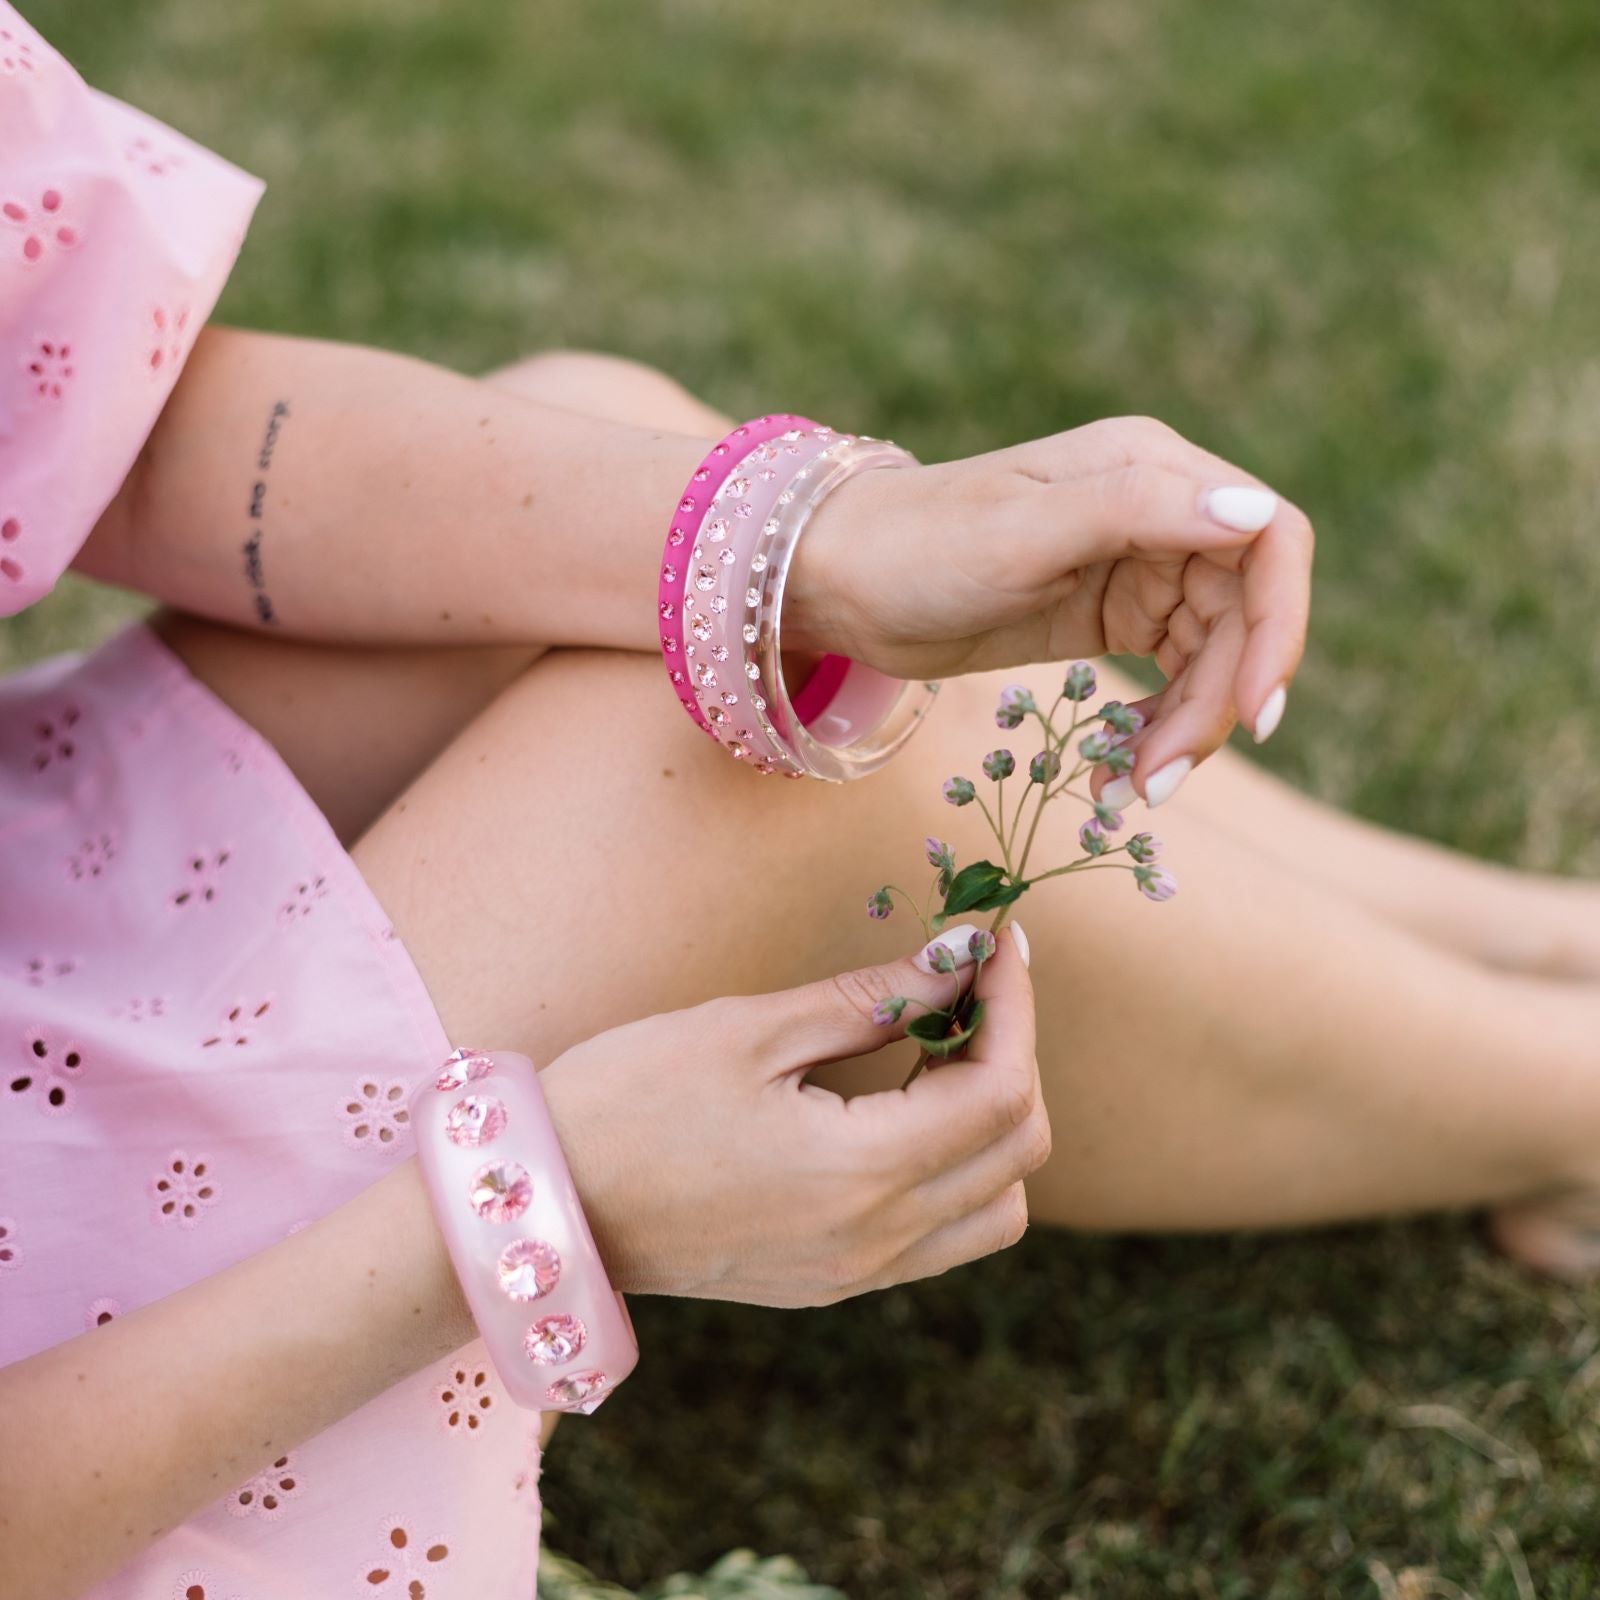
(116, 236)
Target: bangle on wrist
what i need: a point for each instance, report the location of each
(724, 568)
(556, 1331)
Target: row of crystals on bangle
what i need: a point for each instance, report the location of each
(720, 604)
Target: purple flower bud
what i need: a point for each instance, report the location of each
(1122, 718)
(939, 956)
(1093, 837)
(1080, 681)
(981, 944)
(1097, 747)
(999, 764)
(1155, 883)
(1120, 761)
(1108, 818)
(888, 1011)
(959, 791)
(1144, 847)
(1045, 767)
(880, 904)
(1017, 697)
(938, 853)
(1007, 719)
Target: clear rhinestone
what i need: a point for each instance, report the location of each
(705, 578)
(580, 1391)
(752, 597)
(804, 472)
(745, 733)
(725, 555)
(770, 526)
(719, 652)
(744, 509)
(479, 1119)
(750, 632)
(716, 714)
(786, 497)
(668, 610)
(734, 488)
(528, 1268)
(758, 702)
(686, 506)
(751, 670)
(792, 435)
(766, 452)
(729, 698)
(758, 562)
(675, 538)
(767, 474)
(700, 625)
(689, 650)
(460, 1067)
(554, 1339)
(705, 676)
(716, 529)
(669, 574)
(500, 1191)
(737, 750)
(719, 604)
(791, 449)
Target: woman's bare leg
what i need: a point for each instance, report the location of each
(1255, 1053)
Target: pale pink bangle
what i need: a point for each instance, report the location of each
(558, 1334)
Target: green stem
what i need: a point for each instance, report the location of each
(914, 906)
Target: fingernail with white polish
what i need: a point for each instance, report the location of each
(1271, 714)
(1161, 786)
(1243, 510)
(1022, 943)
(954, 940)
(1118, 793)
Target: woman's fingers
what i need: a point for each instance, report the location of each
(995, 1226)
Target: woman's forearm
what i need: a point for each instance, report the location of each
(334, 492)
(112, 1438)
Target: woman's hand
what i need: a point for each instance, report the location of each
(1118, 537)
(708, 1167)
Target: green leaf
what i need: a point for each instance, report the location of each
(932, 1030)
(1003, 895)
(970, 885)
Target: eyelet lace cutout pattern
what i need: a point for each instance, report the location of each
(54, 738)
(40, 970)
(101, 1312)
(405, 1566)
(52, 1068)
(184, 1191)
(375, 1115)
(92, 858)
(10, 544)
(148, 156)
(466, 1399)
(201, 886)
(142, 1008)
(197, 1585)
(16, 55)
(43, 225)
(303, 901)
(50, 368)
(239, 1024)
(168, 338)
(10, 1250)
(267, 1493)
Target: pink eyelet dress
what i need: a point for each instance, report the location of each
(207, 1027)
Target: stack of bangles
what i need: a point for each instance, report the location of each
(556, 1331)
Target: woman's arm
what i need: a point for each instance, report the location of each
(691, 1182)
(110, 1439)
(339, 493)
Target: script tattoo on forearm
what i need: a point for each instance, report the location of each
(258, 500)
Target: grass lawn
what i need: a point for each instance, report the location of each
(1355, 247)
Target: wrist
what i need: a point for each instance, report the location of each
(822, 609)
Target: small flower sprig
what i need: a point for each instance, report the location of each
(996, 887)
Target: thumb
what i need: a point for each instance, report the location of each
(859, 1011)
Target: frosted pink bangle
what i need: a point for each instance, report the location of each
(693, 511)
(558, 1334)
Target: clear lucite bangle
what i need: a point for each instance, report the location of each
(858, 717)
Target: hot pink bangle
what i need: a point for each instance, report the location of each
(558, 1334)
(695, 508)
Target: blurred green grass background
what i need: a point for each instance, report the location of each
(1354, 247)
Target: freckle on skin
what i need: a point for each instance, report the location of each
(483, 422)
(527, 500)
(666, 772)
(444, 616)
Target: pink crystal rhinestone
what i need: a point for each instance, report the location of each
(729, 698)
(700, 625)
(500, 1191)
(717, 529)
(719, 603)
(554, 1339)
(669, 574)
(735, 488)
(528, 1268)
(676, 537)
(668, 610)
(583, 1391)
(705, 578)
(702, 475)
(744, 509)
(479, 1119)
(460, 1067)
(737, 750)
(705, 675)
(726, 556)
(719, 652)
(686, 506)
